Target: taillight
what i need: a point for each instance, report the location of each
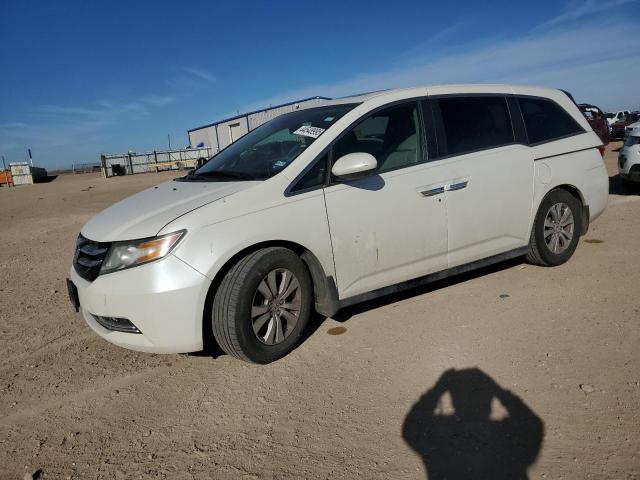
(602, 149)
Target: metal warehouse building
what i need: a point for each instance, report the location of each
(220, 134)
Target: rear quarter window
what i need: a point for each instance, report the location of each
(545, 120)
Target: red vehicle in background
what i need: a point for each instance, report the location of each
(597, 120)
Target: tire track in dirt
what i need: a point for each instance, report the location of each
(86, 394)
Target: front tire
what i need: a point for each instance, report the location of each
(556, 229)
(262, 305)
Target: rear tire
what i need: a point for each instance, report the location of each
(262, 305)
(556, 229)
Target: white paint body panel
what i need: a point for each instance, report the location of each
(366, 234)
(493, 212)
(145, 213)
(385, 231)
(631, 154)
(218, 231)
(164, 299)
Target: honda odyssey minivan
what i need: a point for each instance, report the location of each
(337, 204)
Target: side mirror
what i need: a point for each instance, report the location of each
(354, 165)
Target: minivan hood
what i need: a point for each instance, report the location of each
(146, 213)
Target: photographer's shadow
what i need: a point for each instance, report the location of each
(467, 426)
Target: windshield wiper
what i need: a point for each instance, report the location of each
(191, 177)
(225, 174)
(215, 175)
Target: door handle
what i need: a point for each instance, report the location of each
(431, 192)
(457, 186)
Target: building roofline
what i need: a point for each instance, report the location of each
(257, 111)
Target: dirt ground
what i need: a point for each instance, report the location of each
(540, 365)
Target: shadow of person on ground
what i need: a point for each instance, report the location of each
(467, 426)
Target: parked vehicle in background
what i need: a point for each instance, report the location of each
(329, 206)
(597, 120)
(628, 128)
(618, 129)
(629, 157)
(613, 117)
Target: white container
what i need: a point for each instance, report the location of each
(24, 173)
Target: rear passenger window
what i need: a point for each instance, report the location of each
(545, 120)
(474, 123)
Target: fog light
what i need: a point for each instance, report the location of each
(117, 324)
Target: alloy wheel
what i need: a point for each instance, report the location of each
(276, 306)
(559, 227)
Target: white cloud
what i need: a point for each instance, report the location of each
(105, 110)
(158, 100)
(581, 9)
(597, 71)
(199, 73)
(450, 31)
(190, 77)
(70, 127)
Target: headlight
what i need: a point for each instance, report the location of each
(137, 252)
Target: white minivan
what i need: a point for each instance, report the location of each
(337, 204)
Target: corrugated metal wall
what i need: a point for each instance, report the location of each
(144, 162)
(24, 173)
(206, 136)
(218, 136)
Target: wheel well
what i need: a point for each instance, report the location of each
(324, 291)
(573, 191)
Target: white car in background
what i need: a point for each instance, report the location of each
(629, 128)
(613, 117)
(629, 156)
(328, 206)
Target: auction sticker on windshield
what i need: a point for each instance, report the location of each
(307, 131)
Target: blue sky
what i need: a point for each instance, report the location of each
(79, 78)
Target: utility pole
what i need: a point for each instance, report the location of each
(6, 174)
(169, 138)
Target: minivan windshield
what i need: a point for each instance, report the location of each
(268, 149)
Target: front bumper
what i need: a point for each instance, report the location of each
(629, 163)
(163, 299)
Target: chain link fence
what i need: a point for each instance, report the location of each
(114, 165)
